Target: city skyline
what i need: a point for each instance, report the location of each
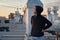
(4, 11)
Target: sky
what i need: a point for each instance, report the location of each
(5, 10)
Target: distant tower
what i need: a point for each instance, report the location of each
(55, 12)
(17, 16)
(30, 6)
(50, 16)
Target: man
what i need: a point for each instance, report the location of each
(39, 24)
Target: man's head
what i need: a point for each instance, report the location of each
(38, 10)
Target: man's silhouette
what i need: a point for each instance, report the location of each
(39, 24)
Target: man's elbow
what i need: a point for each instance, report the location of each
(50, 24)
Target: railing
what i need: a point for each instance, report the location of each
(12, 37)
(55, 36)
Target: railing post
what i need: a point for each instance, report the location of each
(26, 37)
(56, 35)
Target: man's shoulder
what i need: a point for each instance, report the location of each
(44, 18)
(33, 16)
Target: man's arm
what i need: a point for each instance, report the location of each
(47, 24)
(32, 20)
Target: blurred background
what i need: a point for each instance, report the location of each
(14, 18)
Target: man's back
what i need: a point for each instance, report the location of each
(38, 24)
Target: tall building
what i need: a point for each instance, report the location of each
(17, 17)
(50, 16)
(52, 13)
(55, 12)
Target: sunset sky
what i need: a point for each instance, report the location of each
(5, 10)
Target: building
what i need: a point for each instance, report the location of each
(3, 24)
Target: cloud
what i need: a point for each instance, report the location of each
(49, 1)
(14, 3)
(3, 4)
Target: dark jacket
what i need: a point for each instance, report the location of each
(39, 23)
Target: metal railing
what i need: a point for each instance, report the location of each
(54, 36)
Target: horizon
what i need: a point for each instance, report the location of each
(5, 11)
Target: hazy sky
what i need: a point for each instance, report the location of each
(4, 11)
